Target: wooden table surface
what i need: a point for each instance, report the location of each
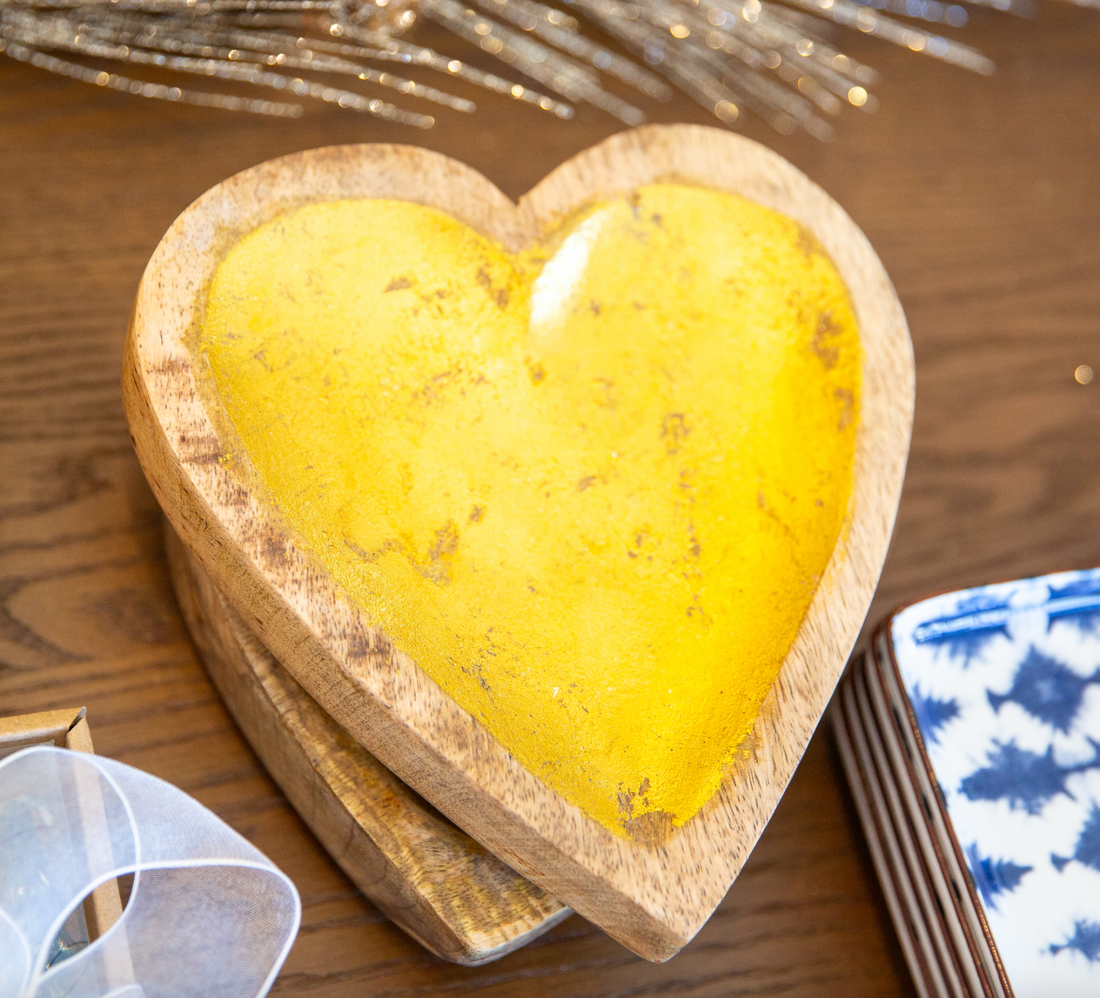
(979, 195)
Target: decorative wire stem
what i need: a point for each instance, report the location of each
(561, 31)
(57, 32)
(136, 87)
(571, 79)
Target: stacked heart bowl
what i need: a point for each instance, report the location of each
(559, 516)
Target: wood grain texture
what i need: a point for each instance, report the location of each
(427, 875)
(978, 194)
(652, 892)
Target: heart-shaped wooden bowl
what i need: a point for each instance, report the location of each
(652, 895)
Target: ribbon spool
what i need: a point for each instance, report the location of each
(208, 914)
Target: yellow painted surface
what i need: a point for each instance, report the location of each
(591, 489)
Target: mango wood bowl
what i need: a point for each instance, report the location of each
(652, 895)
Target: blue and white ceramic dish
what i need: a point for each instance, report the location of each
(1005, 684)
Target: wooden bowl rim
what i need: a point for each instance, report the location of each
(652, 896)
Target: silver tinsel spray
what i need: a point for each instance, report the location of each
(732, 56)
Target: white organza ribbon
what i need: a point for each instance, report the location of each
(209, 916)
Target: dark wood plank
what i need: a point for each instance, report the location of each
(979, 195)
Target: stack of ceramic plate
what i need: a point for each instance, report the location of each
(970, 733)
